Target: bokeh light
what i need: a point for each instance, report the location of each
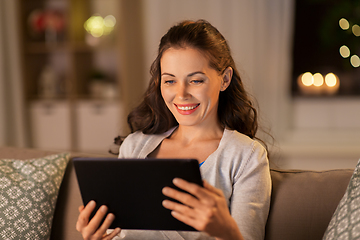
(344, 51)
(330, 80)
(355, 61)
(344, 24)
(316, 84)
(356, 30)
(307, 79)
(318, 80)
(110, 21)
(98, 26)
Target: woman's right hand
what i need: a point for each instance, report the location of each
(90, 230)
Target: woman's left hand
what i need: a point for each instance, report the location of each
(205, 210)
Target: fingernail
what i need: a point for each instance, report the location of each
(174, 213)
(92, 203)
(165, 203)
(176, 180)
(111, 216)
(103, 209)
(117, 231)
(165, 190)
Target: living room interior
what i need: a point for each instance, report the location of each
(71, 70)
(67, 84)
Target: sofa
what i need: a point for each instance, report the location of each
(302, 202)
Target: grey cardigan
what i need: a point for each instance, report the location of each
(239, 167)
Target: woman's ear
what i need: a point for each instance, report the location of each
(226, 78)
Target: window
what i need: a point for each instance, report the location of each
(326, 48)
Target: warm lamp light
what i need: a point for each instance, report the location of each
(318, 80)
(330, 80)
(98, 26)
(332, 84)
(307, 79)
(316, 84)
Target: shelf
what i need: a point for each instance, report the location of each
(71, 62)
(42, 48)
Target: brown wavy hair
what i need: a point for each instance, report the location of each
(235, 109)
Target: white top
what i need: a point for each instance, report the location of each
(239, 167)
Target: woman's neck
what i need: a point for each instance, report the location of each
(189, 134)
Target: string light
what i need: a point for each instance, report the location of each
(344, 51)
(356, 30)
(355, 61)
(344, 24)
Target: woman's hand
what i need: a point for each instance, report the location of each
(205, 211)
(90, 230)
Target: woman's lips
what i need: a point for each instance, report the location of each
(186, 109)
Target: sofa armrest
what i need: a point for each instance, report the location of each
(303, 202)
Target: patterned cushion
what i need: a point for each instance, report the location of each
(28, 194)
(345, 223)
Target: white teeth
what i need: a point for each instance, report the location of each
(186, 108)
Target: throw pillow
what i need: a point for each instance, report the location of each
(28, 194)
(345, 223)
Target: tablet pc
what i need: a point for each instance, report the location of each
(132, 189)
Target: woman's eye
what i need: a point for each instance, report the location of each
(169, 81)
(197, 81)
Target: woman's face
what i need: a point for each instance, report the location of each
(190, 88)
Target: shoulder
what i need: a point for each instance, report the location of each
(245, 157)
(138, 143)
(132, 138)
(129, 143)
(134, 143)
(240, 142)
(244, 151)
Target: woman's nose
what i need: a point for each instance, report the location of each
(183, 91)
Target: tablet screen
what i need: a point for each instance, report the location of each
(132, 189)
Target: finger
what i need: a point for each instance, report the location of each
(193, 222)
(98, 217)
(181, 208)
(81, 208)
(112, 234)
(84, 215)
(194, 189)
(207, 196)
(106, 224)
(183, 213)
(182, 197)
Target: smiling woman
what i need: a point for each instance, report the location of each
(190, 87)
(196, 107)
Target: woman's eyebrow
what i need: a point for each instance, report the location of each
(189, 75)
(194, 73)
(169, 74)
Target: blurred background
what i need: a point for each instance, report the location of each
(71, 70)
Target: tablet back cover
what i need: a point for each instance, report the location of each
(132, 189)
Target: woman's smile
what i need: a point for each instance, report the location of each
(186, 109)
